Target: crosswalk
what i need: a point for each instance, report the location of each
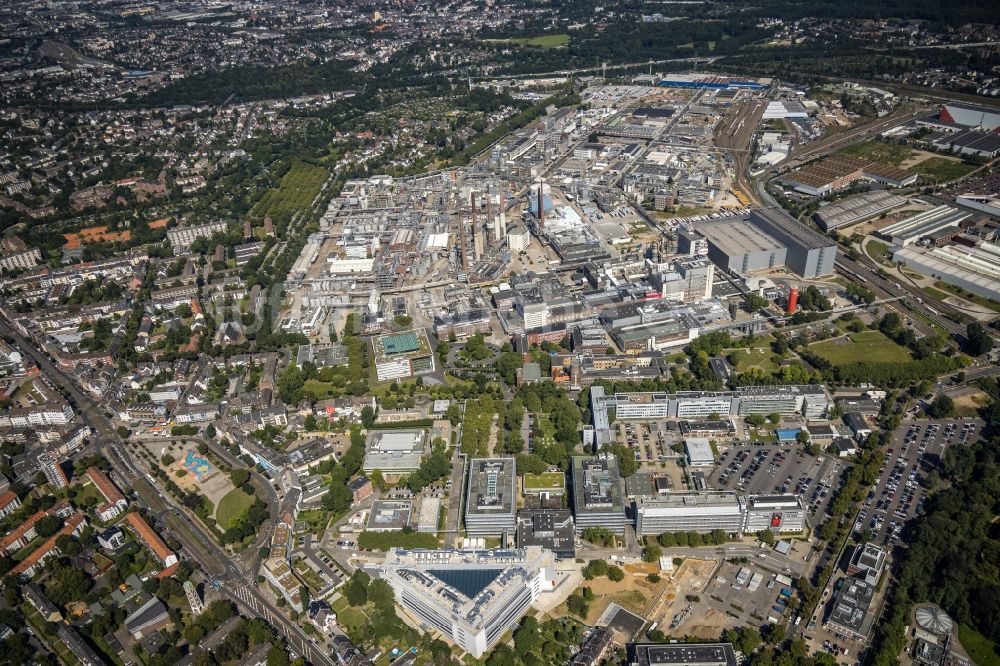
(246, 596)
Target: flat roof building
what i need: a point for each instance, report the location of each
(808, 253)
(389, 516)
(597, 493)
(551, 529)
(778, 513)
(689, 512)
(699, 452)
(739, 246)
(471, 598)
(402, 355)
(867, 562)
(849, 613)
(683, 654)
(490, 502)
(394, 451)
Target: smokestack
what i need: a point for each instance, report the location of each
(462, 244)
(541, 206)
(793, 300)
(502, 229)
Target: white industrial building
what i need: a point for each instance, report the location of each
(699, 452)
(394, 451)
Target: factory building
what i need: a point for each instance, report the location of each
(911, 229)
(471, 598)
(857, 208)
(741, 247)
(975, 269)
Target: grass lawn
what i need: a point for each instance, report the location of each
(547, 430)
(316, 518)
(876, 250)
(942, 169)
(322, 390)
(310, 577)
(864, 346)
(887, 153)
(233, 505)
(981, 649)
(934, 293)
(544, 481)
(750, 358)
(988, 303)
(542, 41)
(351, 617)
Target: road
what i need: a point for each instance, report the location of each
(233, 582)
(454, 515)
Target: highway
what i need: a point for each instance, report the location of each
(228, 579)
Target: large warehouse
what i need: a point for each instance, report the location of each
(809, 254)
(857, 208)
(968, 115)
(765, 239)
(737, 245)
(911, 229)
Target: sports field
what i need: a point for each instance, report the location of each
(865, 346)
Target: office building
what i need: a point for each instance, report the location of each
(471, 598)
(682, 654)
(389, 516)
(867, 563)
(402, 355)
(689, 512)
(597, 493)
(778, 513)
(551, 529)
(810, 400)
(490, 502)
(850, 613)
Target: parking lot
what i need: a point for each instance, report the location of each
(915, 449)
(773, 468)
(739, 591)
(643, 438)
